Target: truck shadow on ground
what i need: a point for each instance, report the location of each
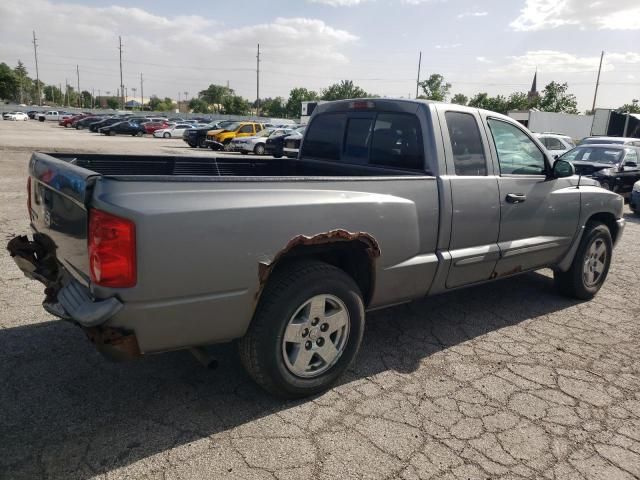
(66, 412)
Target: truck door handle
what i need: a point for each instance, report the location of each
(516, 197)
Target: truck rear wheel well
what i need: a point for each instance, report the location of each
(355, 256)
(609, 220)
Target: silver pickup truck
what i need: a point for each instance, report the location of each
(388, 201)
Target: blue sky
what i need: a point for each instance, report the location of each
(493, 45)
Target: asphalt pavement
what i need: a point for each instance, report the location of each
(503, 381)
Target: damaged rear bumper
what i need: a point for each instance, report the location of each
(68, 299)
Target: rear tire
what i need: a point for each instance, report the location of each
(166, 135)
(259, 149)
(203, 143)
(138, 134)
(318, 306)
(590, 265)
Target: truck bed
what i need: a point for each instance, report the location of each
(178, 166)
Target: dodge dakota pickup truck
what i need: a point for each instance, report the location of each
(388, 201)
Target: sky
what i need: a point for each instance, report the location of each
(492, 46)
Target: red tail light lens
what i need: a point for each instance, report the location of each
(29, 195)
(112, 250)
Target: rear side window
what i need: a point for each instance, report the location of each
(324, 137)
(356, 142)
(397, 142)
(466, 144)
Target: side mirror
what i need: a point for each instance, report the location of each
(563, 169)
(556, 156)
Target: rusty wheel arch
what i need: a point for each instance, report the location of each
(332, 237)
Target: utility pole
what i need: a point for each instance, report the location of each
(258, 82)
(60, 85)
(418, 79)
(121, 82)
(93, 99)
(186, 104)
(66, 92)
(141, 93)
(595, 94)
(79, 94)
(99, 99)
(133, 89)
(35, 52)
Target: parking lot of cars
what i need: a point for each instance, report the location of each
(507, 380)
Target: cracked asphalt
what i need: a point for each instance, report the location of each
(502, 381)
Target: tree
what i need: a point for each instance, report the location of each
(113, 103)
(435, 88)
(52, 94)
(520, 101)
(343, 90)
(198, 105)
(632, 107)
(460, 99)
(154, 101)
(273, 107)
(8, 82)
(215, 95)
(235, 105)
(166, 105)
(556, 99)
(296, 97)
(86, 99)
(496, 104)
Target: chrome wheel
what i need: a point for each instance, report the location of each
(315, 336)
(594, 263)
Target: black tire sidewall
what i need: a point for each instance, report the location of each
(259, 150)
(278, 315)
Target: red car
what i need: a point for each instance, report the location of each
(67, 121)
(151, 127)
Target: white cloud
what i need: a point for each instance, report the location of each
(339, 3)
(548, 14)
(448, 45)
(176, 53)
(472, 14)
(483, 60)
(552, 61)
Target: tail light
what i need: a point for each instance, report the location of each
(112, 250)
(29, 195)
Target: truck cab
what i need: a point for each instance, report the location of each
(217, 140)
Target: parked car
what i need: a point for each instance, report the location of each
(285, 257)
(86, 122)
(174, 131)
(291, 143)
(612, 140)
(222, 140)
(127, 127)
(53, 115)
(555, 143)
(197, 137)
(615, 166)
(150, 127)
(634, 199)
(256, 143)
(275, 145)
(105, 122)
(15, 116)
(69, 121)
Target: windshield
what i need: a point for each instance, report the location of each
(264, 133)
(231, 126)
(611, 156)
(601, 140)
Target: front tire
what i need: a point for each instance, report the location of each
(590, 265)
(259, 149)
(166, 135)
(203, 143)
(306, 330)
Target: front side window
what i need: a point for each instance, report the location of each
(517, 154)
(631, 157)
(246, 129)
(466, 144)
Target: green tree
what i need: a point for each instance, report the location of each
(273, 107)
(460, 99)
(52, 94)
(23, 93)
(154, 101)
(8, 82)
(198, 105)
(235, 105)
(86, 99)
(555, 98)
(296, 97)
(166, 105)
(343, 90)
(520, 101)
(113, 103)
(215, 94)
(435, 88)
(495, 104)
(632, 107)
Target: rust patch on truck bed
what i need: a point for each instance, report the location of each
(332, 236)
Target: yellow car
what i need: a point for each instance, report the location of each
(221, 139)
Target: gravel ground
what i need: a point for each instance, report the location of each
(507, 380)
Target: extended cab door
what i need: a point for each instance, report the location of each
(538, 214)
(475, 199)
